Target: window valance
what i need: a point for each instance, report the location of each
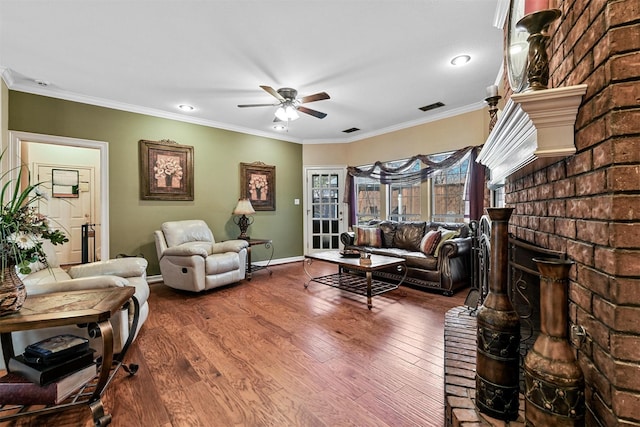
(386, 174)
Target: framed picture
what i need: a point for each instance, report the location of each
(166, 170)
(65, 183)
(258, 184)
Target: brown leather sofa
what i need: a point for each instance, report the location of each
(446, 269)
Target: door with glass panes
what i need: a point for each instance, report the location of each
(325, 216)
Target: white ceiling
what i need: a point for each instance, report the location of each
(379, 60)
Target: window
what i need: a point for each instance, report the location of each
(368, 200)
(447, 189)
(404, 201)
(404, 198)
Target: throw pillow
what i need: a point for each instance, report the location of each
(368, 236)
(445, 235)
(429, 242)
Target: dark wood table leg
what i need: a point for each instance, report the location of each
(7, 347)
(369, 279)
(249, 262)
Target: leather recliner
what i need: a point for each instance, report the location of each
(50, 278)
(191, 260)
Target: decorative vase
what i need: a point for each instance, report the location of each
(498, 335)
(168, 179)
(12, 291)
(554, 392)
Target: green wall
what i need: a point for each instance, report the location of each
(217, 157)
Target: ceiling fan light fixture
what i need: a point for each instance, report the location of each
(287, 113)
(292, 113)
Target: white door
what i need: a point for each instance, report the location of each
(325, 216)
(69, 213)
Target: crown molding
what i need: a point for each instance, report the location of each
(406, 125)
(18, 86)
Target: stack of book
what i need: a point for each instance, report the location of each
(48, 371)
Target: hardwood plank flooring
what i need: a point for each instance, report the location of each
(268, 352)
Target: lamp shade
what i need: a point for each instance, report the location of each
(244, 208)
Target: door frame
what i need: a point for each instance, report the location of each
(13, 151)
(305, 199)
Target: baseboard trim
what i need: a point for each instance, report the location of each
(157, 278)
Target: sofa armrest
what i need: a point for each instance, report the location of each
(347, 238)
(229, 246)
(123, 267)
(459, 246)
(83, 283)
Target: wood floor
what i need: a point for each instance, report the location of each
(269, 352)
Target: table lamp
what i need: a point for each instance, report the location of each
(243, 208)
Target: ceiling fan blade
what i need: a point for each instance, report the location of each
(256, 105)
(313, 113)
(273, 93)
(315, 97)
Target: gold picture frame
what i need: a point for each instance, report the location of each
(258, 184)
(166, 170)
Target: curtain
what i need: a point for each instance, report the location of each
(474, 188)
(399, 174)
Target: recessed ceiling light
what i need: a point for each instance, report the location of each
(42, 82)
(185, 107)
(460, 60)
(280, 127)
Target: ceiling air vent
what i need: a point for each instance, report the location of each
(350, 130)
(431, 106)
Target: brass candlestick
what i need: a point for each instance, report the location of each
(537, 25)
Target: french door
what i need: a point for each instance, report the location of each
(325, 217)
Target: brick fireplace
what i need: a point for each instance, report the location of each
(588, 206)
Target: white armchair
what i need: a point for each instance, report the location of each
(191, 260)
(103, 274)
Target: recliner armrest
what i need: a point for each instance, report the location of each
(122, 267)
(186, 251)
(235, 245)
(83, 283)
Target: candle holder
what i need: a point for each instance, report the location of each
(537, 25)
(493, 110)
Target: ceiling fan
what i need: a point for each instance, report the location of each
(289, 105)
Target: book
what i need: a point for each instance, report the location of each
(18, 390)
(44, 374)
(55, 349)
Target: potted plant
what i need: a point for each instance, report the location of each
(22, 232)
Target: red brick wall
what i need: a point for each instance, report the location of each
(589, 204)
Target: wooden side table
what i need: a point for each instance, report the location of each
(92, 308)
(268, 244)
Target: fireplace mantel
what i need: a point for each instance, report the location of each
(533, 125)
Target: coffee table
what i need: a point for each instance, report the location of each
(353, 282)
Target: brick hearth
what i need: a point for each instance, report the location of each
(460, 371)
